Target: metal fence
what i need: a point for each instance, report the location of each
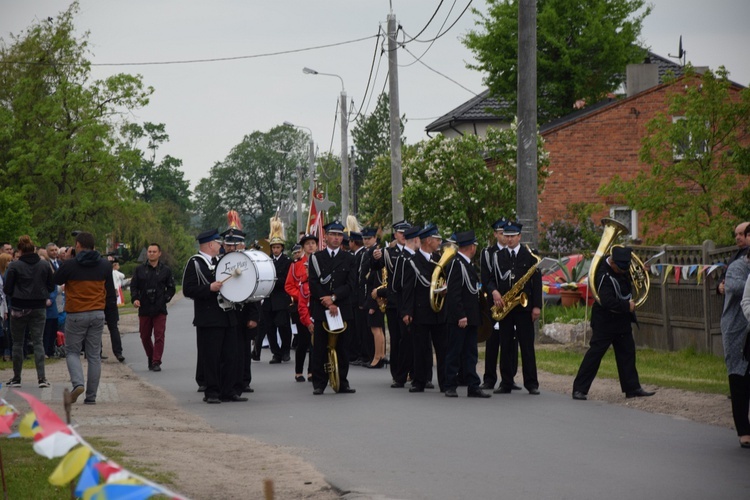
(683, 313)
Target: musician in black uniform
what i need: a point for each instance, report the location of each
(374, 264)
(390, 258)
(247, 317)
(358, 328)
(216, 328)
(611, 319)
(428, 327)
(463, 317)
(332, 278)
(404, 362)
(514, 265)
(275, 309)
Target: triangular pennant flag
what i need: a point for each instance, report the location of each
(119, 491)
(655, 269)
(666, 274)
(713, 268)
(107, 468)
(48, 419)
(684, 272)
(28, 425)
(677, 274)
(55, 445)
(89, 476)
(701, 270)
(6, 422)
(70, 466)
(691, 270)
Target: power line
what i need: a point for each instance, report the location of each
(428, 22)
(369, 77)
(439, 73)
(432, 42)
(198, 61)
(447, 30)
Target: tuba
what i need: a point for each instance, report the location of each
(641, 282)
(437, 283)
(332, 367)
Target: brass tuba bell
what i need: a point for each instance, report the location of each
(437, 283)
(641, 282)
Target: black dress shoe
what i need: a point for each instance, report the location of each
(451, 393)
(516, 387)
(580, 396)
(534, 391)
(212, 401)
(286, 357)
(103, 357)
(429, 385)
(234, 399)
(347, 390)
(415, 388)
(487, 387)
(478, 394)
(275, 360)
(248, 389)
(639, 393)
(156, 368)
(255, 356)
(397, 385)
(299, 378)
(502, 390)
(356, 362)
(318, 391)
(201, 388)
(120, 358)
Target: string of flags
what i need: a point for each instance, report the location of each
(700, 271)
(98, 477)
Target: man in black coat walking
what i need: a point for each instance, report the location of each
(275, 309)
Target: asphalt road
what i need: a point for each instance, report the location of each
(387, 443)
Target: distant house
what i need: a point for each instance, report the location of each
(587, 147)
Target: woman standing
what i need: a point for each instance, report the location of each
(28, 285)
(298, 289)
(737, 346)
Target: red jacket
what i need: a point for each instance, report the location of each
(298, 289)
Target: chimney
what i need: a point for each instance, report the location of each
(640, 77)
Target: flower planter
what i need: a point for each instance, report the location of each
(569, 298)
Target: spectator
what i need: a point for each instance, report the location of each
(4, 331)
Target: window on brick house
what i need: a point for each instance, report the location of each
(684, 144)
(627, 217)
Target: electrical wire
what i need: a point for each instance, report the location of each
(447, 30)
(198, 61)
(428, 22)
(432, 42)
(372, 65)
(439, 73)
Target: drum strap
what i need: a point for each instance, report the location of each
(323, 281)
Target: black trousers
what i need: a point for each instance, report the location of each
(404, 364)
(518, 323)
(425, 338)
(273, 320)
(245, 339)
(461, 357)
(739, 388)
(320, 356)
(366, 342)
(303, 347)
(112, 317)
(395, 325)
(624, 347)
(492, 353)
(217, 350)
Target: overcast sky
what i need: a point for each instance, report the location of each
(209, 107)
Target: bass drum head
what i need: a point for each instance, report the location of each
(239, 276)
(265, 275)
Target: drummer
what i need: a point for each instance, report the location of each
(248, 315)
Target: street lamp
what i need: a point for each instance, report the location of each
(344, 143)
(311, 173)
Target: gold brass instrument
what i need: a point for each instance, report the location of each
(332, 367)
(641, 282)
(382, 301)
(516, 296)
(437, 283)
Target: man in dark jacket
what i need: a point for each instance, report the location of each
(611, 320)
(332, 279)
(275, 309)
(463, 317)
(151, 289)
(89, 290)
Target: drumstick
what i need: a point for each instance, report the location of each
(235, 272)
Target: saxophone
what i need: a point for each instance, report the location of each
(515, 296)
(382, 301)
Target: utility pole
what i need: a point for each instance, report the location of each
(300, 223)
(355, 182)
(311, 164)
(344, 159)
(395, 115)
(526, 185)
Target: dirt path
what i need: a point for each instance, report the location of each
(153, 430)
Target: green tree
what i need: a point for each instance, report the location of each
(372, 139)
(375, 207)
(258, 176)
(58, 140)
(15, 218)
(583, 47)
(693, 185)
(449, 182)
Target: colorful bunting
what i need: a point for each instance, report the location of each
(28, 425)
(48, 419)
(70, 466)
(55, 445)
(89, 477)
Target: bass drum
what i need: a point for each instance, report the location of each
(247, 276)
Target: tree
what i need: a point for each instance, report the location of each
(257, 178)
(695, 162)
(372, 139)
(58, 141)
(583, 47)
(449, 182)
(375, 206)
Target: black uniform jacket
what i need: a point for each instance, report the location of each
(390, 257)
(508, 274)
(416, 293)
(488, 266)
(279, 299)
(332, 276)
(374, 278)
(361, 262)
(462, 300)
(612, 312)
(196, 285)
